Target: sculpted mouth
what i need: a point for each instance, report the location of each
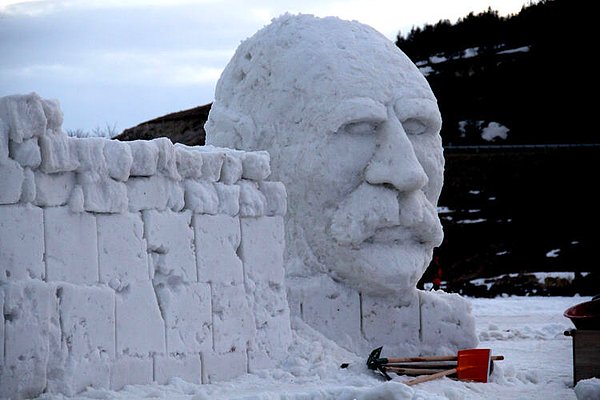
(426, 234)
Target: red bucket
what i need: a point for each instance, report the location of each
(585, 315)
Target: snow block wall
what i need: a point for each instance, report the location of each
(132, 262)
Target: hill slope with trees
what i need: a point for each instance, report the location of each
(530, 72)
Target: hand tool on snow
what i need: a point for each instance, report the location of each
(471, 364)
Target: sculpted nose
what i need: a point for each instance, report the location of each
(394, 161)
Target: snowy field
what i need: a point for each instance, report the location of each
(528, 331)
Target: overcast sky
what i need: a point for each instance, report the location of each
(124, 62)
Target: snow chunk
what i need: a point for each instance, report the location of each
(53, 189)
(131, 371)
(330, 307)
(384, 321)
(189, 161)
(138, 312)
(217, 238)
(167, 158)
(171, 241)
(26, 153)
(90, 154)
(21, 243)
(57, 153)
(494, 131)
(87, 320)
(122, 252)
(147, 193)
(12, 177)
(29, 309)
(588, 389)
(187, 367)
(233, 324)
(201, 197)
(252, 201)
(212, 162)
(119, 159)
(223, 367)
(186, 310)
(25, 116)
(522, 49)
(3, 141)
(103, 195)
(276, 197)
(553, 253)
(229, 198)
(256, 165)
(71, 246)
(447, 316)
(263, 264)
(232, 169)
(145, 157)
(28, 191)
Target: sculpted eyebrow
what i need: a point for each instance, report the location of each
(356, 110)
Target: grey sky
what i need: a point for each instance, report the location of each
(124, 62)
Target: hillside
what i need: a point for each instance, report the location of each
(526, 72)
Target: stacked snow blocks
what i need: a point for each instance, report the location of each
(133, 262)
(419, 323)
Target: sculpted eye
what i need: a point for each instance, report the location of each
(413, 126)
(361, 128)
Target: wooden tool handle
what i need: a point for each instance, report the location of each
(413, 371)
(428, 378)
(430, 358)
(421, 359)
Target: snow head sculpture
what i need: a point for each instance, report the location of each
(352, 127)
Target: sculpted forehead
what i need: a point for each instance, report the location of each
(298, 64)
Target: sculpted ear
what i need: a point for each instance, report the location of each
(229, 128)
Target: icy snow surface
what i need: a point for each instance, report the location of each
(528, 331)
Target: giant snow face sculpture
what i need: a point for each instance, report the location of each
(353, 131)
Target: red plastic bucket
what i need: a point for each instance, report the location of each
(585, 315)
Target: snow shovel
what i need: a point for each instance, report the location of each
(472, 365)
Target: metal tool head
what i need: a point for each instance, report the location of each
(373, 362)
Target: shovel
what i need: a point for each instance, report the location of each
(472, 365)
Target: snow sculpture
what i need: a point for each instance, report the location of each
(352, 127)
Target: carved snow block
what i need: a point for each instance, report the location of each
(71, 246)
(131, 371)
(223, 367)
(233, 323)
(21, 242)
(145, 157)
(185, 366)
(11, 176)
(217, 238)
(122, 254)
(263, 263)
(27, 153)
(53, 189)
(186, 310)
(29, 309)
(118, 159)
(87, 316)
(449, 316)
(392, 324)
(171, 238)
(140, 326)
(331, 308)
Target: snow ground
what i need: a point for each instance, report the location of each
(528, 331)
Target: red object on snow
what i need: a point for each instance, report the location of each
(585, 315)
